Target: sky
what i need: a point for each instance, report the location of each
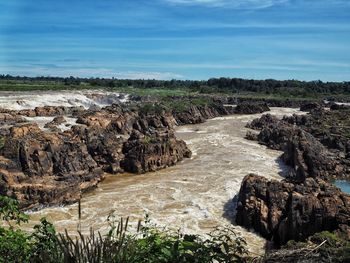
(176, 39)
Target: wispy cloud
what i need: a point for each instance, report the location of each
(54, 70)
(253, 4)
(240, 4)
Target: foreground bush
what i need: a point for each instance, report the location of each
(148, 244)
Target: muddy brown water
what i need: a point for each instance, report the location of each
(194, 196)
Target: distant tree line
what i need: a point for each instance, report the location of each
(213, 85)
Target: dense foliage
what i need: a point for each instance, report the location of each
(148, 244)
(284, 88)
(321, 247)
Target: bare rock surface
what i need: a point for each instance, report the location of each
(41, 167)
(283, 211)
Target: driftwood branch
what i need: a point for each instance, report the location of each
(320, 245)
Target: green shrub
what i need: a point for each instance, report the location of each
(147, 244)
(151, 109)
(9, 211)
(2, 142)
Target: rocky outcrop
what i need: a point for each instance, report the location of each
(335, 106)
(264, 121)
(50, 111)
(52, 125)
(282, 211)
(10, 119)
(135, 138)
(251, 108)
(309, 106)
(305, 202)
(285, 103)
(301, 150)
(331, 128)
(43, 168)
(198, 114)
(145, 153)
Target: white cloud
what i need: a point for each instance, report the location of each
(239, 4)
(42, 70)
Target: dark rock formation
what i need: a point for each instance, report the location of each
(331, 128)
(251, 108)
(198, 114)
(308, 106)
(10, 119)
(301, 150)
(264, 121)
(55, 122)
(151, 153)
(48, 111)
(305, 202)
(284, 211)
(43, 168)
(335, 106)
(285, 103)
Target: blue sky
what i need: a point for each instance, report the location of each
(182, 39)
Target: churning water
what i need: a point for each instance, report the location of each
(30, 99)
(194, 196)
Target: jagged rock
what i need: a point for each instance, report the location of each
(263, 121)
(332, 129)
(149, 153)
(283, 211)
(48, 111)
(104, 146)
(198, 114)
(308, 106)
(44, 167)
(251, 108)
(252, 136)
(10, 119)
(336, 106)
(55, 122)
(302, 151)
(38, 167)
(285, 103)
(94, 107)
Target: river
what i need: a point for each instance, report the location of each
(194, 196)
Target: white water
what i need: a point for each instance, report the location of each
(29, 100)
(41, 121)
(194, 196)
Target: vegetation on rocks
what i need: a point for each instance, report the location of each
(321, 247)
(304, 213)
(239, 87)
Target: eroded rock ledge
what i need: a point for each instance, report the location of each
(41, 168)
(45, 167)
(283, 211)
(305, 202)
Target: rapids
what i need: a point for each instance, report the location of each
(20, 100)
(194, 195)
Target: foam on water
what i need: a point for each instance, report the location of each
(30, 100)
(195, 196)
(41, 121)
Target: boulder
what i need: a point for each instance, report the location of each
(10, 119)
(151, 153)
(301, 150)
(283, 211)
(309, 106)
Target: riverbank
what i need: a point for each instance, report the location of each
(306, 203)
(193, 195)
(139, 137)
